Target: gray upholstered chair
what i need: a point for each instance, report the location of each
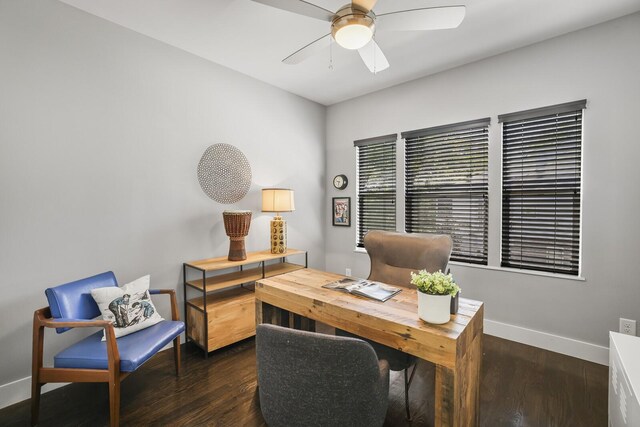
(393, 257)
(310, 379)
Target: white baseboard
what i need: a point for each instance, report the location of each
(19, 390)
(569, 346)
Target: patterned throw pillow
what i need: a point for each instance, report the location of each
(128, 307)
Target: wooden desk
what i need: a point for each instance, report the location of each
(455, 347)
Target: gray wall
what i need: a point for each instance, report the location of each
(601, 64)
(101, 130)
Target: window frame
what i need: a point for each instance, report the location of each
(573, 106)
(479, 126)
(391, 139)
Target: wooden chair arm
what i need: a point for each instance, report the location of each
(75, 323)
(175, 314)
(42, 319)
(161, 291)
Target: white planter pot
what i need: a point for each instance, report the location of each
(434, 309)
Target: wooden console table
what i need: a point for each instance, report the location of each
(224, 310)
(455, 347)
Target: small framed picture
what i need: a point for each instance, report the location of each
(342, 211)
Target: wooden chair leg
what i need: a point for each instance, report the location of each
(176, 354)
(35, 400)
(114, 402)
(36, 364)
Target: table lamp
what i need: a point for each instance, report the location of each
(278, 200)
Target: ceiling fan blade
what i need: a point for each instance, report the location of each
(300, 7)
(365, 4)
(430, 18)
(309, 50)
(373, 57)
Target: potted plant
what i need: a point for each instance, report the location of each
(434, 295)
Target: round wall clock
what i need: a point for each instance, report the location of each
(340, 182)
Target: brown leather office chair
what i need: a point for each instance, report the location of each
(393, 257)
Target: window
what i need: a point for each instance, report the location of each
(541, 168)
(376, 176)
(446, 175)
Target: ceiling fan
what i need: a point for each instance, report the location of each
(354, 25)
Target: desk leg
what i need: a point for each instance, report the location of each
(457, 402)
(259, 312)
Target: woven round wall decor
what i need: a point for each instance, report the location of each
(224, 173)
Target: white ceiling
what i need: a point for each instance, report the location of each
(253, 38)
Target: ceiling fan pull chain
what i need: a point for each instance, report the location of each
(331, 54)
(375, 70)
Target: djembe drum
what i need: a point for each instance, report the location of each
(236, 224)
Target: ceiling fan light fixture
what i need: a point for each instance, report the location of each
(353, 28)
(353, 36)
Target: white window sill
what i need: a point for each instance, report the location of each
(508, 270)
(519, 271)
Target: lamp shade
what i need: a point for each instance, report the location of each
(277, 200)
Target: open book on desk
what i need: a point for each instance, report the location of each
(365, 288)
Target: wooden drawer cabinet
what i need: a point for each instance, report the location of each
(230, 318)
(223, 312)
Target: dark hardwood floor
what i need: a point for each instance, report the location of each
(520, 386)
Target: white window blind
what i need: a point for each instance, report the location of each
(376, 177)
(541, 178)
(446, 178)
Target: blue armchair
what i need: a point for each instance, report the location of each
(91, 359)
